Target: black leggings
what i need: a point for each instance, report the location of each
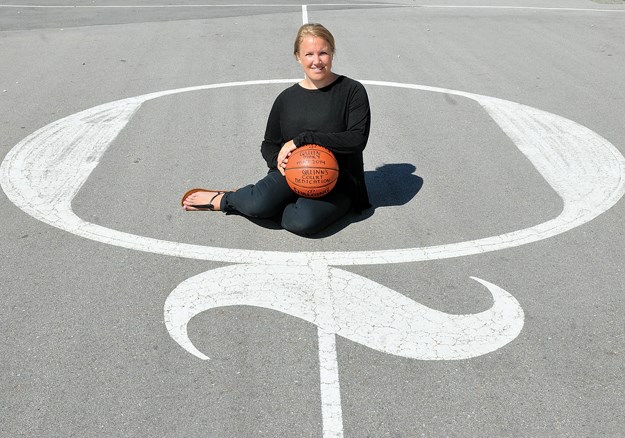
(271, 197)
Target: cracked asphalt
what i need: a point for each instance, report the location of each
(85, 346)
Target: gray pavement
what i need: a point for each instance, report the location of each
(85, 347)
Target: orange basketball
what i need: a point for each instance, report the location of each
(312, 171)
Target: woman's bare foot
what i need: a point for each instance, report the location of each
(203, 200)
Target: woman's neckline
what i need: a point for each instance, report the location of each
(336, 78)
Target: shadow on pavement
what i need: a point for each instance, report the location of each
(388, 185)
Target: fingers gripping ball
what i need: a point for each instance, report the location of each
(312, 171)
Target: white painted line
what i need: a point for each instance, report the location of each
(348, 305)
(331, 409)
(530, 8)
(43, 173)
(276, 5)
(342, 303)
(231, 5)
(304, 14)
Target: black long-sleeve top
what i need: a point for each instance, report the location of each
(336, 117)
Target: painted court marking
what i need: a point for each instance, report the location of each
(44, 172)
(297, 5)
(342, 303)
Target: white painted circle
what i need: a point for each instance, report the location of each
(43, 173)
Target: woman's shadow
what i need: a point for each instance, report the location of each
(388, 185)
(392, 185)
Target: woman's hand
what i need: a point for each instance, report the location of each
(284, 154)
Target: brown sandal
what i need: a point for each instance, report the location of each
(208, 206)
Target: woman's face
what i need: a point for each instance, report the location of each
(315, 56)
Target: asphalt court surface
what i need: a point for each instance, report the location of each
(86, 350)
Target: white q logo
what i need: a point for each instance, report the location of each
(43, 173)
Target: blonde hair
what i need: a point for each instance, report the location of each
(316, 30)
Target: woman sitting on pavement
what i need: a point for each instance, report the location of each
(326, 109)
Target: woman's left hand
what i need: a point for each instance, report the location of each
(283, 155)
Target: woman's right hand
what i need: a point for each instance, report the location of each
(284, 154)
